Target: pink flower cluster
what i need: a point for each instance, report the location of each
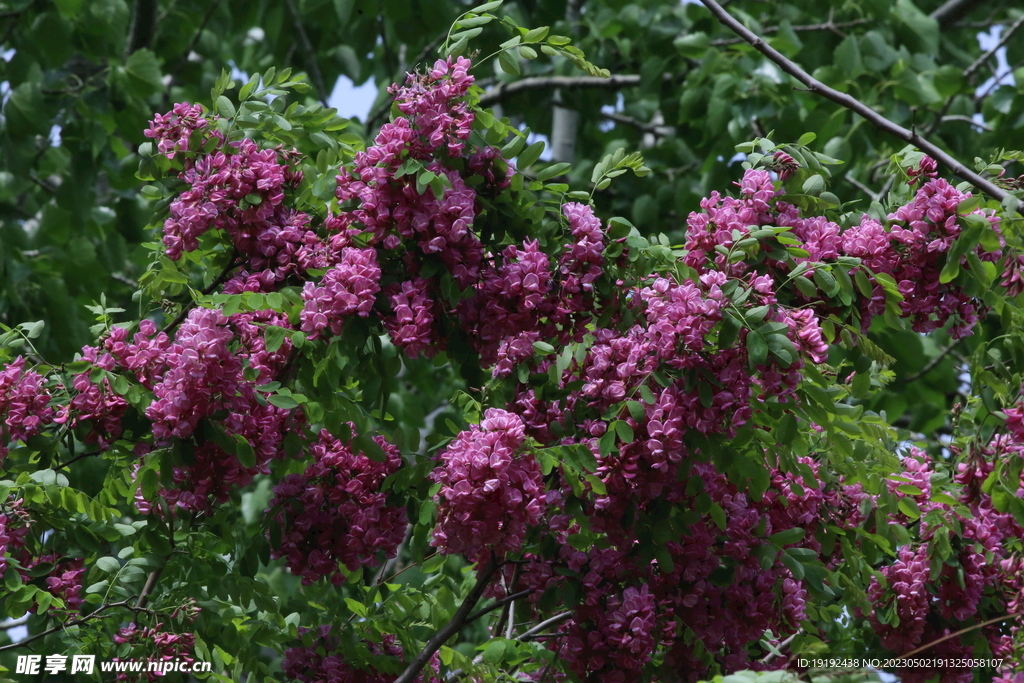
(96, 407)
(321, 663)
(200, 373)
(335, 512)
(201, 370)
(411, 325)
(912, 606)
(913, 251)
(14, 527)
(159, 645)
(173, 130)
(24, 404)
(349, 288)
(491, 492)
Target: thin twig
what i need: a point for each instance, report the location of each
(854, 105)
(76, 459)
(221, 279)
(863, 188)
(785, 643)
(195, 41)
(497, 603)
(451, 628)
(75, 622)
(654, 128)
(952, 10)
(943, 639)
(827, 26)
(933, 362)
(996, 82)
(966, 119)
(557, 619)
(307, 47)
(503, 90)
(1007, 34)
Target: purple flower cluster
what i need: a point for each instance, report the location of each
(158, 644)
(14, 527)
(201, 369)
(96, 406)
(24, 404)
(173, 130)
(491, 492)
(349, 288)
(321, 662)
(335, 512)
(411, 324)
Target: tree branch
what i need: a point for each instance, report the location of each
(59, 627)
(140, 34)
(195, 41)
(854, 105)
(307, 47)
(933, 362)
(503, 90)
(498, 603)
(827, 26)
(962, 631)
(862, 187)
(185, 308)
(654, 128)
(1007, 34)
(451, 628)
(953, 10)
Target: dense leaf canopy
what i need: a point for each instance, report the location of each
(724, 377)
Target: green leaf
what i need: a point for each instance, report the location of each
(274, 337)
(530, 155)
(487, 7)
(693, 45)
(108, 565)
(143, 70)
(757, 348)
(225, 108)
(509, 64)
(788, 536)
(806, 139)
(552, 171)
(150, 484)
(494, 652)
(624, 431)
(283, 402)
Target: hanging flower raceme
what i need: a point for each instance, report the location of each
(335, 513)
(491, 492)
(24, 404)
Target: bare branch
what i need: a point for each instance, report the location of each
(962, 631)
(74, 622)
(195, 41)
(952, 10)
(933, 362)
(539, 628)
(836, 26)
(1007, 34)
(862, 187)
(503, 90)
(967, 119)
(307, 47)
(451, 628)
(653, 128)
(143, 26)
(854, 105)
